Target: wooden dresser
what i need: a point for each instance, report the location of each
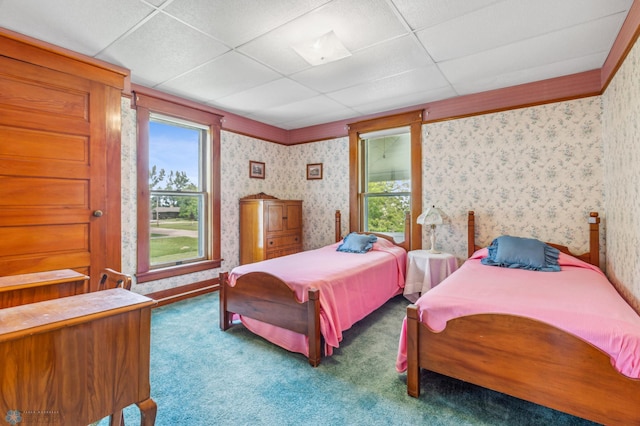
(269, 227)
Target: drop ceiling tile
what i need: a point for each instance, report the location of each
(400, 85)
(406, 101)
(519, 20)
(309, 110)
(356, 23)
(156, 3)
(83, 26)
(427, 13)
(383, 60)
(272, 94)
(560, 46)
(527, 75)
(239, 21)
(230, 73)
(326, 116)
(162, 48)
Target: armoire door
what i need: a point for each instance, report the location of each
(294, 216)
(55, 170)
(274, 216)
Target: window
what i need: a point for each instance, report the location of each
(178, 189)
(385, 174)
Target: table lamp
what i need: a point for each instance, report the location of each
(432, 216)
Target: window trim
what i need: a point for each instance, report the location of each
(146, 104)
(413, 119)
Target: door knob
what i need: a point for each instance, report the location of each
(97, 213)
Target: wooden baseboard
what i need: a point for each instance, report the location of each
(164, 297)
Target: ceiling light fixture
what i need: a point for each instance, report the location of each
(322, 50)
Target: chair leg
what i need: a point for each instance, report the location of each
(116, 419)
(148, 411)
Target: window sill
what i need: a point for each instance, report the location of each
(173, 271)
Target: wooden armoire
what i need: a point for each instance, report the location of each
(59, 159)
(269, 227)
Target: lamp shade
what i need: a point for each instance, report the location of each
(431, 216)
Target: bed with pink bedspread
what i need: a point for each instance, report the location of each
(565, 339)
(305, 301)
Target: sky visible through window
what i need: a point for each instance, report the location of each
(174, 148)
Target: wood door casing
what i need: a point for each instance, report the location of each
(57, 168)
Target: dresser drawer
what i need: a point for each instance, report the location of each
(282, 240)
(283, 251)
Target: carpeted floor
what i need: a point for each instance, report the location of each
(203, 376)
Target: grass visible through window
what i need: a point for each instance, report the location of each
(165, 248)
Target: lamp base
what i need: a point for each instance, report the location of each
(433, 240)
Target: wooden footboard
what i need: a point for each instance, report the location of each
(267, 298)
(527, 359)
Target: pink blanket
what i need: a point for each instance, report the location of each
(351, 285)
(579, 299)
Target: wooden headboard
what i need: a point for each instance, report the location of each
(592, 256)
(406, 244)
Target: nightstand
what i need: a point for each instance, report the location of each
(425, 270)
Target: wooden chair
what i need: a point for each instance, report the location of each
(112, 279)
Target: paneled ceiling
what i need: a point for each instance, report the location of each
(237, 55)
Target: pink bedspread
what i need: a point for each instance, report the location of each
(579, 299)
(351, 286)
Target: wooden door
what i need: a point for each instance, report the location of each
(59, 174)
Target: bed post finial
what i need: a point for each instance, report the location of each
(471, 233)
(338, 226)
(594, 239)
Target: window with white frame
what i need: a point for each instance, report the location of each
(385, 190)
(178, 189)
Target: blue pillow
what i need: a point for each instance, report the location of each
(357, 243)
(522, 253)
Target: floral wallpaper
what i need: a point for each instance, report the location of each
(534, 171)
(621, 133)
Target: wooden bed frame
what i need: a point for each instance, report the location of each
(525, 358)
(267, 298)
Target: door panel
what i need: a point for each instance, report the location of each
(63, 150)
(55, 129)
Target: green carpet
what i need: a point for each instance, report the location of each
(203, 376)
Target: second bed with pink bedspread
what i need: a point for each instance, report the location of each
(352, 285)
